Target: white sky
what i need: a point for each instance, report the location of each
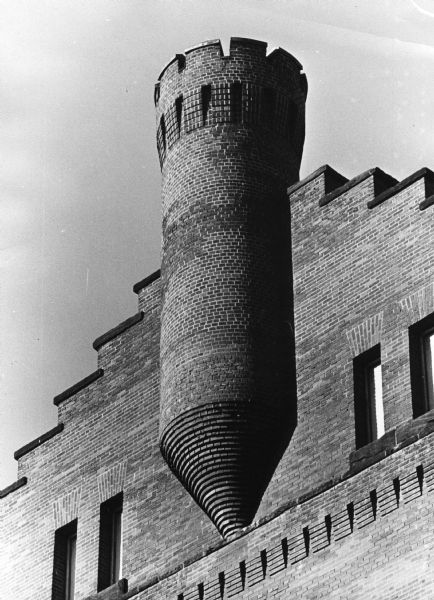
(79, 193)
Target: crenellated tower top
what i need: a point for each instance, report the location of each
(203, 87)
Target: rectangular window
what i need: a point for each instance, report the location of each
(421, 346)
(368, 396)
(65, 544)
(110, 542)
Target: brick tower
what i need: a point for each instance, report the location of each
(230, 133)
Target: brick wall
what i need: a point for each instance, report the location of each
(334, 522)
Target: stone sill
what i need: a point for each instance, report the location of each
(393, 440)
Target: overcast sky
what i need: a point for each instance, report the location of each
(80, 182)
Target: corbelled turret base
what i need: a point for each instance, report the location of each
(225, 455)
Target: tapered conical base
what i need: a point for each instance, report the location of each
(225, 455)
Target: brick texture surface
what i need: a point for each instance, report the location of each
(335, 522)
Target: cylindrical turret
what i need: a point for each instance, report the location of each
(230, 137)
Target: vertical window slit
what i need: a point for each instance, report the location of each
(222, 584)
(236, 101)
(397, 489)
(350, 511)
(328, 524)
(206, 101)
(420, 477)
(163, 132)
(201, 590)
(373, 498)
(264, 563)
(285, 551)
(306, 536)
(178, 108)
(243, 574)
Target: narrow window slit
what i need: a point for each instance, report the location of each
(373, 497)
(306, 536)
(206, 101)
(222, 584)
(178, 108)
(201, 590)
(285, 551)
(163, 132)
(350, 511)
(236, 102)
(328, 524)
(420, 477)
(264, 562)
(397, 488)
(243, 574)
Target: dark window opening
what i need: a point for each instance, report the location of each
(285, 551)
(110, 542)
(65, 544)
(236, 102)
(350, 511)
(328, 524)
(163, 131)
(420, 477)
(292, 120)
(222, 584)
(421, 346)
(306, 536)
(373, 498)
(206, 101)
(368, 396)
(264, 563)
(243, 573)
(268, 106)
(178, 108)
(397, 490)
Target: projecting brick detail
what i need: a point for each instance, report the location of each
(419, 304)
(66, 508)
(111, 481)
(365, 335)
(235, 582)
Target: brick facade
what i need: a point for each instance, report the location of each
(335, 521)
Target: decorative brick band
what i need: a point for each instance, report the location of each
(240, 102)
(140, 285)
(111, 481)
(65, 508)
(365, 335)
(12, 487)
(110, 335)
(335, 527)
(425, 173)
(80, 385)
(299, 544)
(418, 304)
(38, 441)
